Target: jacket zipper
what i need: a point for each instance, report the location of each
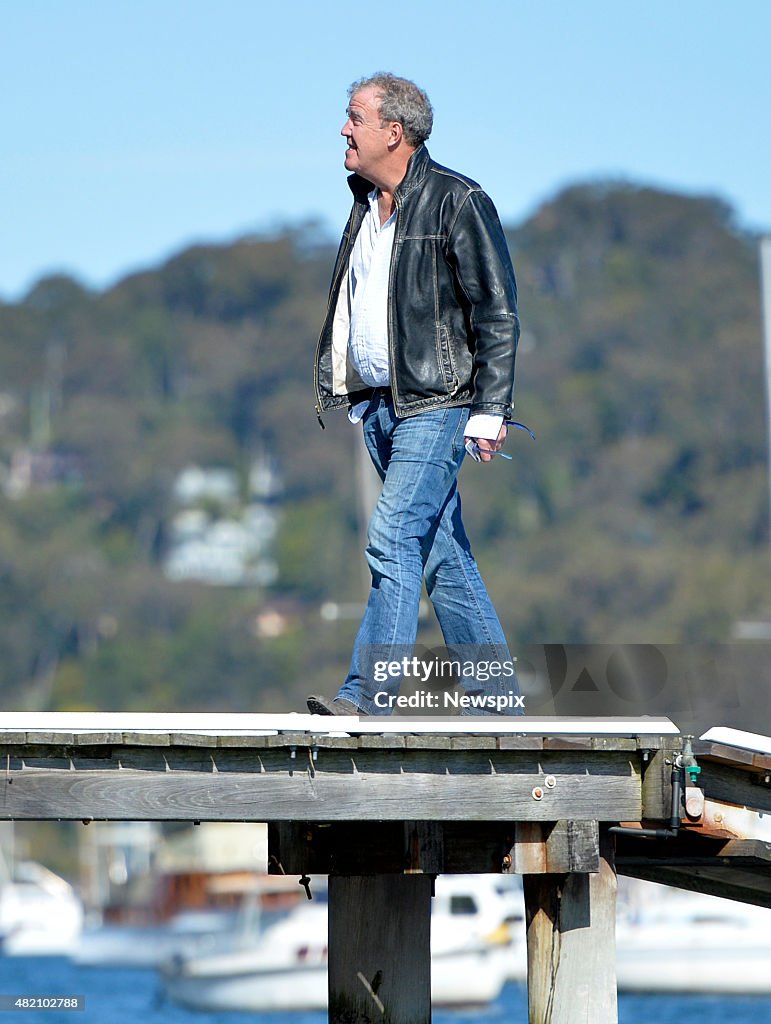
(333, 291)
(389, 325)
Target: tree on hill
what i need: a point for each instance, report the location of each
(638, 514)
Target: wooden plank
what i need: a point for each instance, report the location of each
(378, 847)
(657, 782)
(59, 738)
(474, 743)
(424, 847)
(379, 949)
(728, 883)
(735, 756)
(428, 742)
(739, 738)
(342, 847)
(571, 945)
(353, 761)
(291, 850)
(97, 739)
(146, 739)
(390, 740)
(555, 847)
(692, 848)
(734, 786)
(295, 790)
(732, 868)
(189, 739)
(616, 742)
(336, 742)
(236, 741)
(520, 743)
(479, 846)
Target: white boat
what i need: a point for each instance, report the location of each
(285, 967)
(673, 941)
(40, 914)
(147, 946)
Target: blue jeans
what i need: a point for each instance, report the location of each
(416, 530)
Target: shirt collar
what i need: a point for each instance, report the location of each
(375, 212)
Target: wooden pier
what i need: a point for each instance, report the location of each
(384, 805)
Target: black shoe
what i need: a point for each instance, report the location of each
(338, 706)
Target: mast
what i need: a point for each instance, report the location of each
(750, 629)
(765, 291)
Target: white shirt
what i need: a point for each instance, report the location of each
(369, 269)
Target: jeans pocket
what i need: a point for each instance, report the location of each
(459, 438)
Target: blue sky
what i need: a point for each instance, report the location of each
(131, 128)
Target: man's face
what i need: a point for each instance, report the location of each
(367, 139)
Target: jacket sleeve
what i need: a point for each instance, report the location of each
(479, 256)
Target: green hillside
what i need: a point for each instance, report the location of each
(639, 514)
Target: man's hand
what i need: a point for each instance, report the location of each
(487, 447)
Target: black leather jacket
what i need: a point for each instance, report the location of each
(452, 302)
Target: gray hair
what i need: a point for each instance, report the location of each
(400, 100)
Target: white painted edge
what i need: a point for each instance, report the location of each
(222, 724)
(521, 725)
(737, 738)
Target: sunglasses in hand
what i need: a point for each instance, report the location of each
(474, 450)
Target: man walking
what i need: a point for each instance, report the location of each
(418, 343)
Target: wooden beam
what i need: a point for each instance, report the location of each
(432, 847)
(379, 949)
(737, 869)
(389, 847)
(691, 849)
(734, 785)
(571, 944)
(555, 847)
(743, 886)
(657, 779)
(304, 781)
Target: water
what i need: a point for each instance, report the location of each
(120, 996)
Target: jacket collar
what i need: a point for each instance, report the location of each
(416, 170)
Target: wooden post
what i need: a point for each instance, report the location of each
(571, 947)
(379, 949)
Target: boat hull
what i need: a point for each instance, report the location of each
(472, 978)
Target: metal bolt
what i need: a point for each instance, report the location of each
(537, 793)
(550, 781)
(694, 803)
